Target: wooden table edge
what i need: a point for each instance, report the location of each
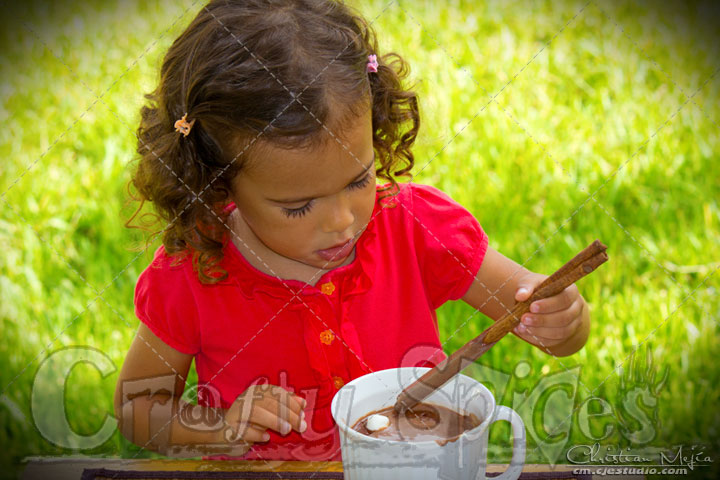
(71, 467)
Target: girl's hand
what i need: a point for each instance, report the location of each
(263, 407)
(552, 321)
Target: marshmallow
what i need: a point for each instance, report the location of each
(377, 422)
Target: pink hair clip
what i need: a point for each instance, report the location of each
(183, 126)
(372, 64)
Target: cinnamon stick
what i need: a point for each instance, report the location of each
(582, 264)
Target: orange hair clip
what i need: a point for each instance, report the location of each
(183, 126)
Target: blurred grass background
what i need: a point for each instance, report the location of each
(622, 104)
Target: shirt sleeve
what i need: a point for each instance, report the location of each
(449, 242)
(164, 302)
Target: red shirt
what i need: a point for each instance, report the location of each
(420, 250)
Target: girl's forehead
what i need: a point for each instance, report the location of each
(336, 160)
(346, 147)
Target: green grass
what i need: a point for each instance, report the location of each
(591, 114)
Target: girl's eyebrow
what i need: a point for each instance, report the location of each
(305, 199)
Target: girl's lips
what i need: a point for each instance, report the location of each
(336, 253)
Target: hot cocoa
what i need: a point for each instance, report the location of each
(422, 423)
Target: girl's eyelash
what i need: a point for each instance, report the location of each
(360, 183)
(301, 211)
(298, 212)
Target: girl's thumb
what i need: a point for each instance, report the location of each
(523, 292)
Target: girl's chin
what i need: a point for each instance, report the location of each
(319, 263)
(323, 264)
(316, 261)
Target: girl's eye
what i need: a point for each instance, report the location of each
(301, 211)
(360, 183)
(297, 212)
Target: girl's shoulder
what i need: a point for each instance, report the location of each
(166, 301)
(445, 242)
(166, 271)
(427, 217)
(419, 199)
(430, 195)
(166, 265)
(177, 273)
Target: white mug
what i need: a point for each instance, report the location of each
(366, 457)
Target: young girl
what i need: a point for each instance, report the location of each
(286, 270)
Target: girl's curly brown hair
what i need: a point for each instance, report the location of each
(250, 71)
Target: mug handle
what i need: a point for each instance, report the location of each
(518, 454)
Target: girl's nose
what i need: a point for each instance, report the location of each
(340, 215)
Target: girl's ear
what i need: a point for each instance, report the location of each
(220, 207)
(222, 197)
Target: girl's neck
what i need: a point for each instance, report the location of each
(268, 261)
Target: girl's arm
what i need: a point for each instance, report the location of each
(152, 415)
(557, 325)
(148, 401)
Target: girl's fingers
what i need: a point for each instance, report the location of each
(527, 285)
(549, 335)
(268, 419)
(559, 302)
(255, 433)
(300, 401)
(288, 407)
(278, 394)
(294, 402)
(284, 406)
(556, 319)
(246, 433)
